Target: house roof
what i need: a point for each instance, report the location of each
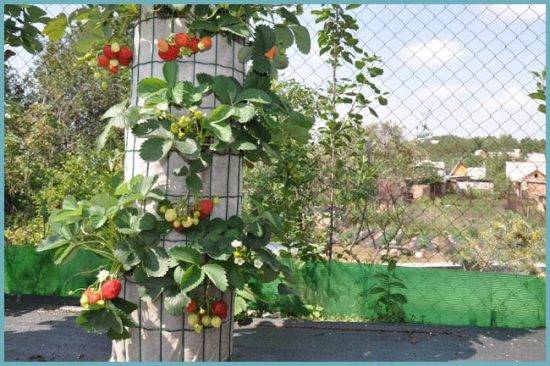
(460, 162)
(516, 171)
(536, 158)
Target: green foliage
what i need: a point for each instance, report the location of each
(20, 29)
(506, 243)
(540, 95)
(388, 300)
(451, 148)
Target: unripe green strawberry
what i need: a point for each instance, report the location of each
(192, 319)
(97, 74)
(170, 215)
(206, 320)
(198, 328)
(174, 128)
(115, 47)
(104, 85)
(216, 322)
(83, 300)
(188, 222)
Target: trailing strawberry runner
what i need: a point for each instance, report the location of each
(173, 234)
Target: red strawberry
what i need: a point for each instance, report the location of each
(271, 53)
(182, 40)
(219, 308)
(110, 289)
(113, 69)
(205, 207)
(170, 55)
(205, 43)
(194, 44)
(108, 52)
(92, 295)
(125, 61)
(162, 45)
(125, 55)
(191, 307)
(103, 60)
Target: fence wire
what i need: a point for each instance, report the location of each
(459, 79)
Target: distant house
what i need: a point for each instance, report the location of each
(420, 188)
(459, 171)
(524, 173)
(535, 184)
(462, 178)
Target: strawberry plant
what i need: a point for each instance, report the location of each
(249, 118)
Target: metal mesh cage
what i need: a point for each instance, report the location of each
(159, 335)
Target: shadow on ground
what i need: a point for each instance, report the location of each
(47, 332)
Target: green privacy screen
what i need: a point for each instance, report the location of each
(31, 273)
(435, 296)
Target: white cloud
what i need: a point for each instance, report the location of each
(442, 91)
(512, 12)
(436, 52)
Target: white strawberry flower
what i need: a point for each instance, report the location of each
(258, 263)
(103, 275)
(239, 261)
(236, 243)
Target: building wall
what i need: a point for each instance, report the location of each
(474, 185)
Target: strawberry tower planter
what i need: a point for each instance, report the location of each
(176, 245)
(159, 335)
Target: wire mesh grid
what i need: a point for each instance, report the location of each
(222, 179)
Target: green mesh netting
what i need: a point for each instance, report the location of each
(435, 296)
(31, 273)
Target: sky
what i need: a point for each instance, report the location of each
(459, 69)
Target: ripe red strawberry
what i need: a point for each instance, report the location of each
(125, 55)
(170, 55)
(191, 307)
(205, 43)
(110, 289)
(113, 69)
(125, 62)
(182, 40)
(93, 295)
(219, 308)
(108, 52)
(206, 207)
(194, 44)
(103, 60)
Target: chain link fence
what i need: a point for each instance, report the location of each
(459, 79)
